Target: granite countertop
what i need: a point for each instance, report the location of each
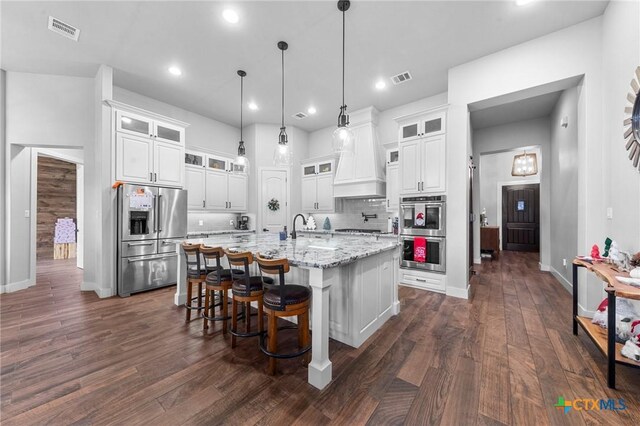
(219, 232)
(309, 252)
(332, 232)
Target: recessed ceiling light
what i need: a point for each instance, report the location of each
(230, 16)
(524, 2)
(311, 110)
(253, 106)
(175, 71)
(380, 84)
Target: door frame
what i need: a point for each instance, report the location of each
(261, 202)
(499, 200)
(53, 153)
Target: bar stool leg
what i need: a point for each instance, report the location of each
(260, 316)
(225, 311)
(272, 343)
(189, 284)
(205, 322)
(234, 320)
(248, 317)
(199, 295)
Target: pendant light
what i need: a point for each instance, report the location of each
(343, 137)
(241, 160)
(525, 164)
(282, 155)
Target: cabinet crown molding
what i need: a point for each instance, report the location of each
(413, 115)
(130, 108)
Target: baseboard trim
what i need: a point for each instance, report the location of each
(477, 261)
(460, 293)
(584, 312)
(562, 280)
(20, 285)
(102, 293)
(544, 267)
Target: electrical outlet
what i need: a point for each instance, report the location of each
(564, 262)
(231, 222)
(200, 222)
(27, 213)
(609, 212)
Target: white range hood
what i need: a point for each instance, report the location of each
(361, 175)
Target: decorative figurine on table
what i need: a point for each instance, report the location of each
(595, 252)
(607, 247)
(327, 224)
(311, 223)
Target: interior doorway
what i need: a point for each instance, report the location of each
(521, 217)
(57, 204)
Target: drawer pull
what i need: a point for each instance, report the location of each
(139, 244)
(421, 280)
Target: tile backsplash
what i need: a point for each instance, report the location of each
(351, 215)
(214, 221)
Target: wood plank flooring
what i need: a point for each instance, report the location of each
(502, 358)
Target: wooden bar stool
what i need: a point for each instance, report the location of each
(244, 290)
(196, 274)
(280, 301)
(218, 279)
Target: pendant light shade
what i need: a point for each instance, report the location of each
(242, 162)
(282, 155)
(343, 137)
(525, 165)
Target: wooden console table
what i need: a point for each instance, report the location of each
(490, 240)
(605, 340)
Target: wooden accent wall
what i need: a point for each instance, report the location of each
(56, 199)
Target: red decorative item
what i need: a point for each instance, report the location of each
(420, 249)
(595, 252)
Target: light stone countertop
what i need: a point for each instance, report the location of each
(220, 232)
(306, 252)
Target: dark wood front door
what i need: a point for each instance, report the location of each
(521, 217)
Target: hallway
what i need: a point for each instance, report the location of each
(503, 358)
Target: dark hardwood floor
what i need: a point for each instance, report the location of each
(503, 358)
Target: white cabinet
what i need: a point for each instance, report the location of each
(422, 145)
(195, 184)
(393, 193)
(134, 161)
(422, 124)
(423, 165)
(149, 149)
(317, 187)
(212, 185)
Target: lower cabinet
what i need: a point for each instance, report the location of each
(423, 279)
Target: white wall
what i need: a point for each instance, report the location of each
(564, 188)
(205, 133)
(261, 140)
(320, 140)
(571, 52)
(621, 55)
(511, 136)
(48, 109)
(3, 181)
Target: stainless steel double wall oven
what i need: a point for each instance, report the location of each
(424, 217)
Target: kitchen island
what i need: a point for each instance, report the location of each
(353, 281)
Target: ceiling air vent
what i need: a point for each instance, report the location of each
(59, 27)
(401, 78)
(300, 115)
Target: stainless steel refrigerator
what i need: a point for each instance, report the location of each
(148, 217)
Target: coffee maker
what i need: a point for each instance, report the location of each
(243, 222)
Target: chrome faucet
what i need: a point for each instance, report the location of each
(304, 222)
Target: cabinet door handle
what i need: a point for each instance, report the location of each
(203, 203)
(387, 203)
(418, 185)
(151, 176)
(229, 204)
(421, 280)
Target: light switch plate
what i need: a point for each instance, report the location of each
(200, 222)
(27, 213)
(609, 212)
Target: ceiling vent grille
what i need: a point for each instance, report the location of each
(403, 77)
(66, 30)
(300, 115)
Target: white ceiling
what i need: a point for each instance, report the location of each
(140, 40)
(525, 109)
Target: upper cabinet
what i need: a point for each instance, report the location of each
(422, 152)
(393, 183)
(317, 187)
(422, 125)
(215, 183)
(149, 148)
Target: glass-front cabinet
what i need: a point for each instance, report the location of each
(134, 124)
(194, 159)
